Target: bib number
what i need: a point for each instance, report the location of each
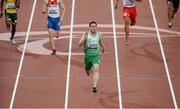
(129, 2)
(10, 6)
(53, 11)
(92, 46)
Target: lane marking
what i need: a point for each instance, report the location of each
(42, 78)
(116, 55)
(144, 77)
(163, 55)
(22, 57)
(69, 56)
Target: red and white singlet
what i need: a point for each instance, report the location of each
(128, 3)
(53, 8)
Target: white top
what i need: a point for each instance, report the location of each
(128, 3)
(53, 10)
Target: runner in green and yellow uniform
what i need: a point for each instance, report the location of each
(92, 42)
(10, 7)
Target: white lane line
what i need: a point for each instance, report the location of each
(69, 56)
(163, 55)
(22, 57)
(116, 55)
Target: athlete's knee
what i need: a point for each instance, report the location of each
(8, 22)
(96, 68)
(51, 32)
(126, 19)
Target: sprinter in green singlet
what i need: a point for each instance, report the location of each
(92, 45)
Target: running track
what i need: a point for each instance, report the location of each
(43, 79)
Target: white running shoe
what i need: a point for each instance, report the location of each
(13, 41)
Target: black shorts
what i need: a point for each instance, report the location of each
(175, 3)
(12, 17)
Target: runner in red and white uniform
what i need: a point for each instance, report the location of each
(129, 14)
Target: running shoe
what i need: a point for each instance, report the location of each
(54, 52)
(13, 41)
(94, 90)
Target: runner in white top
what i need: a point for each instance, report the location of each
(56, 11)
(128, 3)
(53, 10)
(129, 14)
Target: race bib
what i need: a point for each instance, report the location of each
(53, 10)
(11, 6)
(92, 46)
(128, 2)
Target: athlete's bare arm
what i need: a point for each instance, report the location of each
(1, 7)
(17, 3)
(62, 6)
(44, 6)
(83, 39)
(101, 43)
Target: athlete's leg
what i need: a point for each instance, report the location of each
(95, 76)
(51, 40)
(51, 34)
(7, 20)
(126, 16)
(126, 28)
(175, 4)
(13, 31)
(88, 65)
(8, 23)
(170, 13)
(57, 27)
(174, 11)
(11, 20)
(14, 22)
(133, 15)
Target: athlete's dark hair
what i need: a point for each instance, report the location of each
(92, 23)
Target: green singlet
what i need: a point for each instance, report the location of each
(92, 51)
(91, 46)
